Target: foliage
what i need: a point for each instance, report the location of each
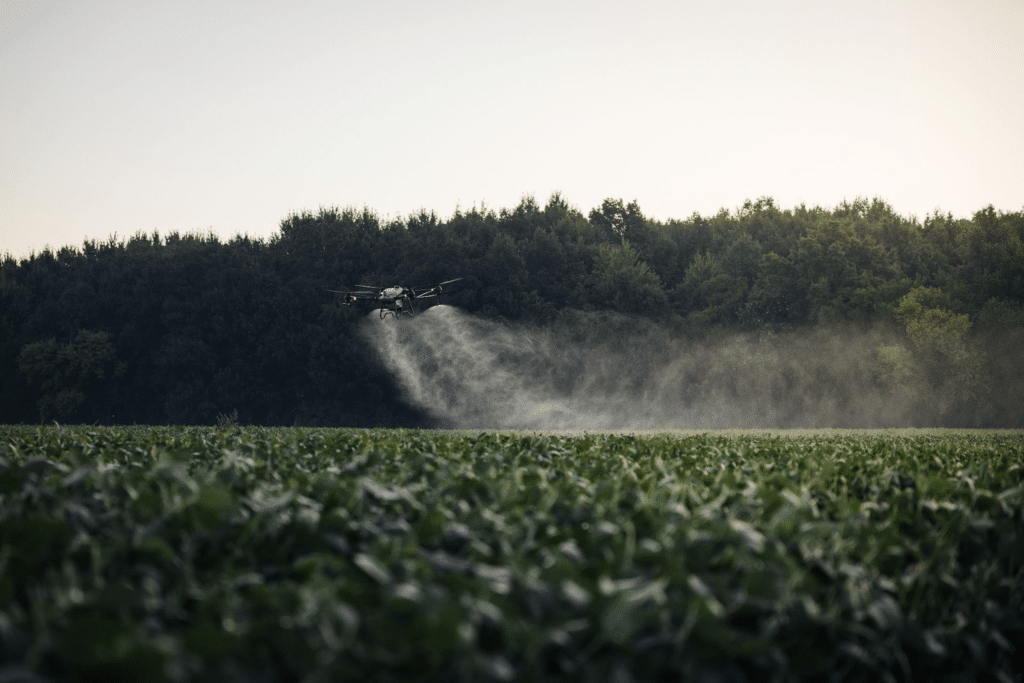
(715, 295)
(622, 282)
(895, 366)
(952, 369)
(65, 371)
(200, 327)
(298, 554)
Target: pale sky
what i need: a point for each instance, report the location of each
(178, 115)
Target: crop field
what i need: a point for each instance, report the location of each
(250, 554)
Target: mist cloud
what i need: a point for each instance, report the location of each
(597, 371)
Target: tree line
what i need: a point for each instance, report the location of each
(189, 329)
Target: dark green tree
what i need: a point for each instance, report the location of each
(66, 374)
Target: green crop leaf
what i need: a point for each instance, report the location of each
(576, 594)
(621, 620)
(886, 613)
(373, 568)
(309, 554)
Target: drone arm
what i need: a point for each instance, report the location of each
(350, 297)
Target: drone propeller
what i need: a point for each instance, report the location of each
(437, 289)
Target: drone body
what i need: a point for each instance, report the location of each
(393, 300)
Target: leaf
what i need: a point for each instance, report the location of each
(445, 561)
(620, 620)
(709, 601)
(499, 579)
(497, 668)
(572, 550)
(408, 591)
(752, 538)
(373, 568)
(576, 594)
(886, 613)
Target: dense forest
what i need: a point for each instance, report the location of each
(188, 329)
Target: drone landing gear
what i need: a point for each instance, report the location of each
(397, 313)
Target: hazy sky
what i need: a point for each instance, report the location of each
(125, 116)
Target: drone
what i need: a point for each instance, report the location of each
(395, 300)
